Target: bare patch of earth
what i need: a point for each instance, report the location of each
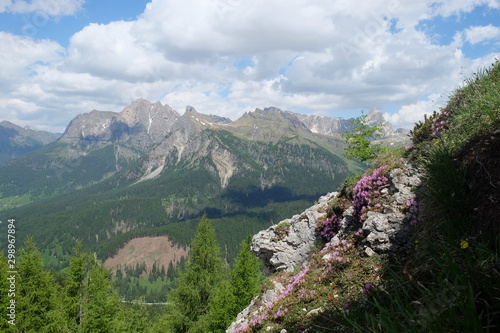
(147, 250)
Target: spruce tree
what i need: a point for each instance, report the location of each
(358, 139)
(91, 301)
(101, 301)
(246, 276)
(38, 309)
(223, 308)
(196, 286)
(235, 294)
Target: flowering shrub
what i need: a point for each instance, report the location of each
(258, 319)
(359, 234)
(366, 191)
(440, 123)
(330, 227)
(411, 211)
(337, 255)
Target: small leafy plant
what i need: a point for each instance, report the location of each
(358, 139)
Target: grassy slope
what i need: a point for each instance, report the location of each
(449, 279)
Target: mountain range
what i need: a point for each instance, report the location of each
(16, 141)
(147, 170)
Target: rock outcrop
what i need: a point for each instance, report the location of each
(386, 231)
(287, 244)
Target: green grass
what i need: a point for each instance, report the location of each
(14, 201)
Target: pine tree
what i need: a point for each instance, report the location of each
(76, 276)
(235, 294)
(223, 308)
(131, 318)
(101, 301)
(91, 301)
(358, 139)
(196, 286)
(38, 309)
(246, 276)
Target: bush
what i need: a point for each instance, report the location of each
(423, 129)
(358, 140)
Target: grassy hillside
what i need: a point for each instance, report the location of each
(447, 279)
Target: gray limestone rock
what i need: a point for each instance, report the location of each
(386, 231)
(286, 245)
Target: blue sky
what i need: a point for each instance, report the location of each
(60, 58)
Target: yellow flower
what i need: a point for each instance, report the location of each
(464, 244)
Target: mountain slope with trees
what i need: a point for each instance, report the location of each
(149, 171)
(16, 141)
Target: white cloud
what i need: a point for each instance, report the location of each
(20, 58)
(4, 4)
(410, 114)
(46, 7)
(231, 56)
(475, 35)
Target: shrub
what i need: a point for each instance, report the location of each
(358, 140)
(423, 130)
(330, 227)
(366, 192)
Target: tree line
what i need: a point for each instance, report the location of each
(206, 296)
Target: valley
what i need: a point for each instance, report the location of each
(116, 177)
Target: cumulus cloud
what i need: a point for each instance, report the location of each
(4, 4)
(47, 7)
(475, 35)
(231, 56)
(21, 58)
(410, 114)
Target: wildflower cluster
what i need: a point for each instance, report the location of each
(440, 123)
(337, 255)
(305, 294)
(411, 146)
(258, 319)
(412, 211)
(367, 288)
(366, 191)
(330, 227)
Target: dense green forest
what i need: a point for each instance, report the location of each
(294, 176)
(205, 295)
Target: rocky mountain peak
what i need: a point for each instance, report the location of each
(204, 120)
(375, 117)
(143, 120)
(150, 116)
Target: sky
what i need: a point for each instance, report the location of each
(61, 58)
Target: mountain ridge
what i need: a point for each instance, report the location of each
(16, 141)
(132, 173)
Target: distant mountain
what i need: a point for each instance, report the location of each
(148, 170)
(16, 141)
